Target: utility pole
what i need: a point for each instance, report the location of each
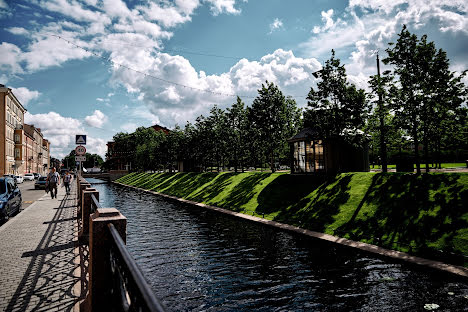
(383, 146)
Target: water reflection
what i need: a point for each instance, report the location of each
(196, 260)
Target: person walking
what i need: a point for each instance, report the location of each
(66, 181)
(53, 178)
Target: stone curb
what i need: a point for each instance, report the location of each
(403, 256)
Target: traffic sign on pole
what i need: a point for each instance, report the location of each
(80, 139)
(80, 158)
(80, 150)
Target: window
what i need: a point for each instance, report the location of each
(17, 153)
(17, 138)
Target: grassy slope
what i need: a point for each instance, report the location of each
(400, 211)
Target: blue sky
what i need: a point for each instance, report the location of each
(227, 47)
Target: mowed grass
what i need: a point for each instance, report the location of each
(423, 166)
(420, 214)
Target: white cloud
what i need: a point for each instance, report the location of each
(51, 51)
(17, 31)
(61, 131)
(129, 127)
(327, 19)
(176, 104)
(10, 60)
(97, 119)
(24, 95)
(276, 25)
(3, 5)
(223, 6)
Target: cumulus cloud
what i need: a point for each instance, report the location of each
(24, 95)
(17, 31)
(97, 119)
(328, 21)
(178, 103)
(10, 62)
(223, 6)
(276, 25)
(378, 23)
(61, 131)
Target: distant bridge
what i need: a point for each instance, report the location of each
(107, 176)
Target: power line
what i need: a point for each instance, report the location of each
(109, 60)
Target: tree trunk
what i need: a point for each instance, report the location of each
(416, 145)
(272, 162)
(426, 151)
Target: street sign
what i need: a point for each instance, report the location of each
(80, 150)
(80, 158)
(80, 139)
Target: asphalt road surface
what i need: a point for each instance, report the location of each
(30, 195)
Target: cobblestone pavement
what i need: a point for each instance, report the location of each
(38, 262)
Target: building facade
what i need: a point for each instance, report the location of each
(12, 119)
(23, 148)
(37, 150)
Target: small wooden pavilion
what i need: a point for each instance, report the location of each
(310, 153)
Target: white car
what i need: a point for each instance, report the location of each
(19, 179)
(29, 177)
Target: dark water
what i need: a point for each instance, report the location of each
(197, 260)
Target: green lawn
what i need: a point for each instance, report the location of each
(423, 166)
(407, 212)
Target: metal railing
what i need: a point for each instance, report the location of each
(129, 290)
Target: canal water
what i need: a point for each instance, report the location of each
(198, 260)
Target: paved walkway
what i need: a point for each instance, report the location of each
(38, 259)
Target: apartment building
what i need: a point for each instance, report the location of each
(23, 148)
(36, 150)
(12, 119)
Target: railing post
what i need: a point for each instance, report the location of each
(83, 186)
(86, 212)
(99, 259)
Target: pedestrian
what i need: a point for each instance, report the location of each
(66, 181)
(53, 178)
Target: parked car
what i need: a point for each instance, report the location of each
(10, 198)
(36, 175)
(29, 176)
(19, 179)
(40, 183)
(10, 176)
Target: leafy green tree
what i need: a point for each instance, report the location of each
(336, 107)
(237, 133)
(269, 116)
(427, 92)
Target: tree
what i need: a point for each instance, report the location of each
(380, 119)
(237, 133)
(336, 108)
(427, 92)
(269, 115)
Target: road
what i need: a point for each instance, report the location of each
(30, 195)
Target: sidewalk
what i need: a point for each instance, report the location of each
(38, 260)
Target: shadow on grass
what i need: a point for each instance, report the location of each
(220, 182)
(316, 212)
(287, 191)
(407, 216)
(182, 185)
(243, 192)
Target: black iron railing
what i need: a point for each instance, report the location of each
(129, 290)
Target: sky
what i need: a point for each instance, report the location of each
(99, 67)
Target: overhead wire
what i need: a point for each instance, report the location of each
(109, 60)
